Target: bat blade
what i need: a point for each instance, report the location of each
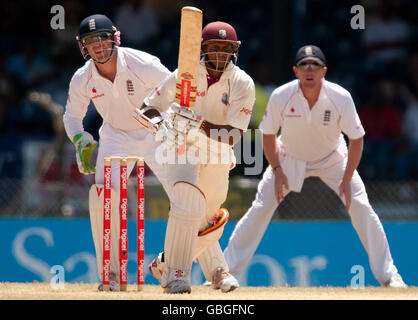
(189, 56)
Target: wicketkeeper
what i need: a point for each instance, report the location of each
(116, 80)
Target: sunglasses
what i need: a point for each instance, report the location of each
(314, 66)
(103, 36)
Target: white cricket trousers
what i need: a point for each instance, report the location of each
(250, 228)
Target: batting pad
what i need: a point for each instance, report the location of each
(96, 221)
(210, 259)
(188, 207)
(212, 233)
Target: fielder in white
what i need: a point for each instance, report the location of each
(117, 80)
(199, 186)
(312, 114)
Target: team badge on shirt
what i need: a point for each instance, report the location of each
(225, 99)
(130, 87)
(327, 117)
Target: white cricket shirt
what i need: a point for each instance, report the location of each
(138, 73)
(311, 135)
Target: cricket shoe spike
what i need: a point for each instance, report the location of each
(224, 280)
(156, 267)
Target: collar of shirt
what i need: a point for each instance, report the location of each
(120, 64)
(322, 94)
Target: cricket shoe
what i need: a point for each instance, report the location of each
(178, 286)
(156, 267)
(113, 284)
(395, 282)
(224, 280)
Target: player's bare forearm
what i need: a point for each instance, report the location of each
(221, 132)
(355, 150)
(271, 150)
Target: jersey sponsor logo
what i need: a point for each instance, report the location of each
(201, 93)
(96, 95)
(246, 111)
(292, 114)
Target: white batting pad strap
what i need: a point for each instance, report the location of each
(96, 220)
(188, 207)
(210, 259)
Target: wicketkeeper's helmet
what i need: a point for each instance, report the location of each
(97, 26)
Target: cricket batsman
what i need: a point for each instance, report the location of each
(197, 189)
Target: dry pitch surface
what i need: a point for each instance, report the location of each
(43, 291)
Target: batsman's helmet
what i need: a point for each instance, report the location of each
(220, 31)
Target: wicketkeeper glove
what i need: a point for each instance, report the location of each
(84, 145)
(185, 119)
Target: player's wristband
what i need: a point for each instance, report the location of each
(277, 167)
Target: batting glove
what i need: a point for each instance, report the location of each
(84, 145)
(168, 135)
(185, 119)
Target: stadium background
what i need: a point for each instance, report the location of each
(39, 178)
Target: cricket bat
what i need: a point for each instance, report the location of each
(189, 57)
